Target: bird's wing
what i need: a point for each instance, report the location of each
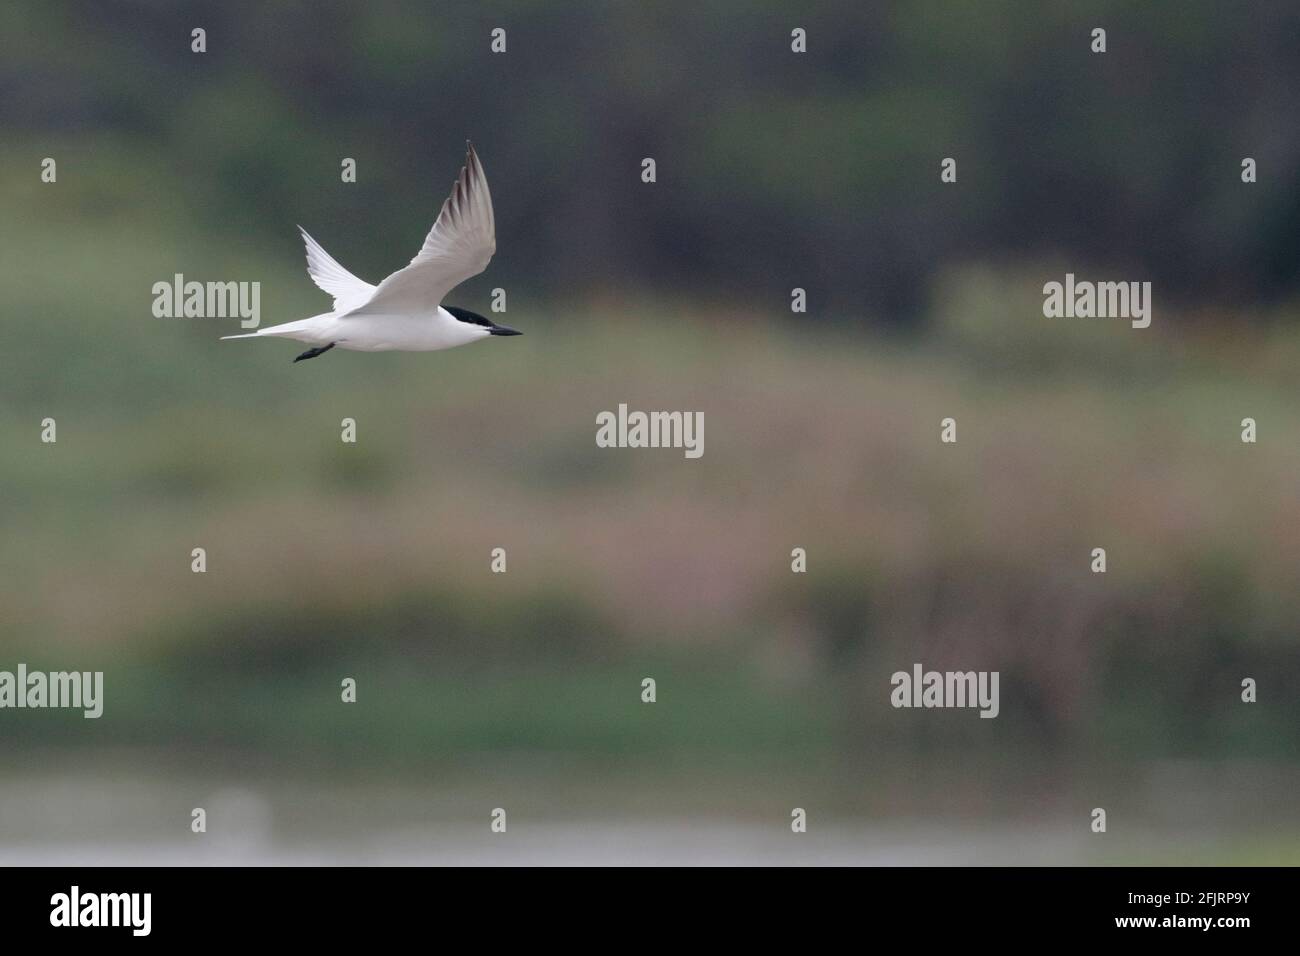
(348, 291)
(459, 245)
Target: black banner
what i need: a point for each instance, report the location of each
(1169, 906)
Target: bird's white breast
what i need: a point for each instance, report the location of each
(406, 333)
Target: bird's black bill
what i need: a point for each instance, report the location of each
(502, 330)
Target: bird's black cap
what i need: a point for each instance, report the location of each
(473, 318)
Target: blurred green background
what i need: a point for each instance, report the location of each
(522, 690)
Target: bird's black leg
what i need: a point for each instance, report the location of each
(312, 353)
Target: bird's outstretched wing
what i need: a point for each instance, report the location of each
(348, 291)
(459, 246)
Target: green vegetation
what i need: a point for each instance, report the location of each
(328, 560)
(371, 560)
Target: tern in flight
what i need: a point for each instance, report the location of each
(405, 312)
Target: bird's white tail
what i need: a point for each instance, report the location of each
(304, 330)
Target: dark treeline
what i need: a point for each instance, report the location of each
(774, 169)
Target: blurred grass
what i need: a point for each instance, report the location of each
(373, 559)
(329, 560)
